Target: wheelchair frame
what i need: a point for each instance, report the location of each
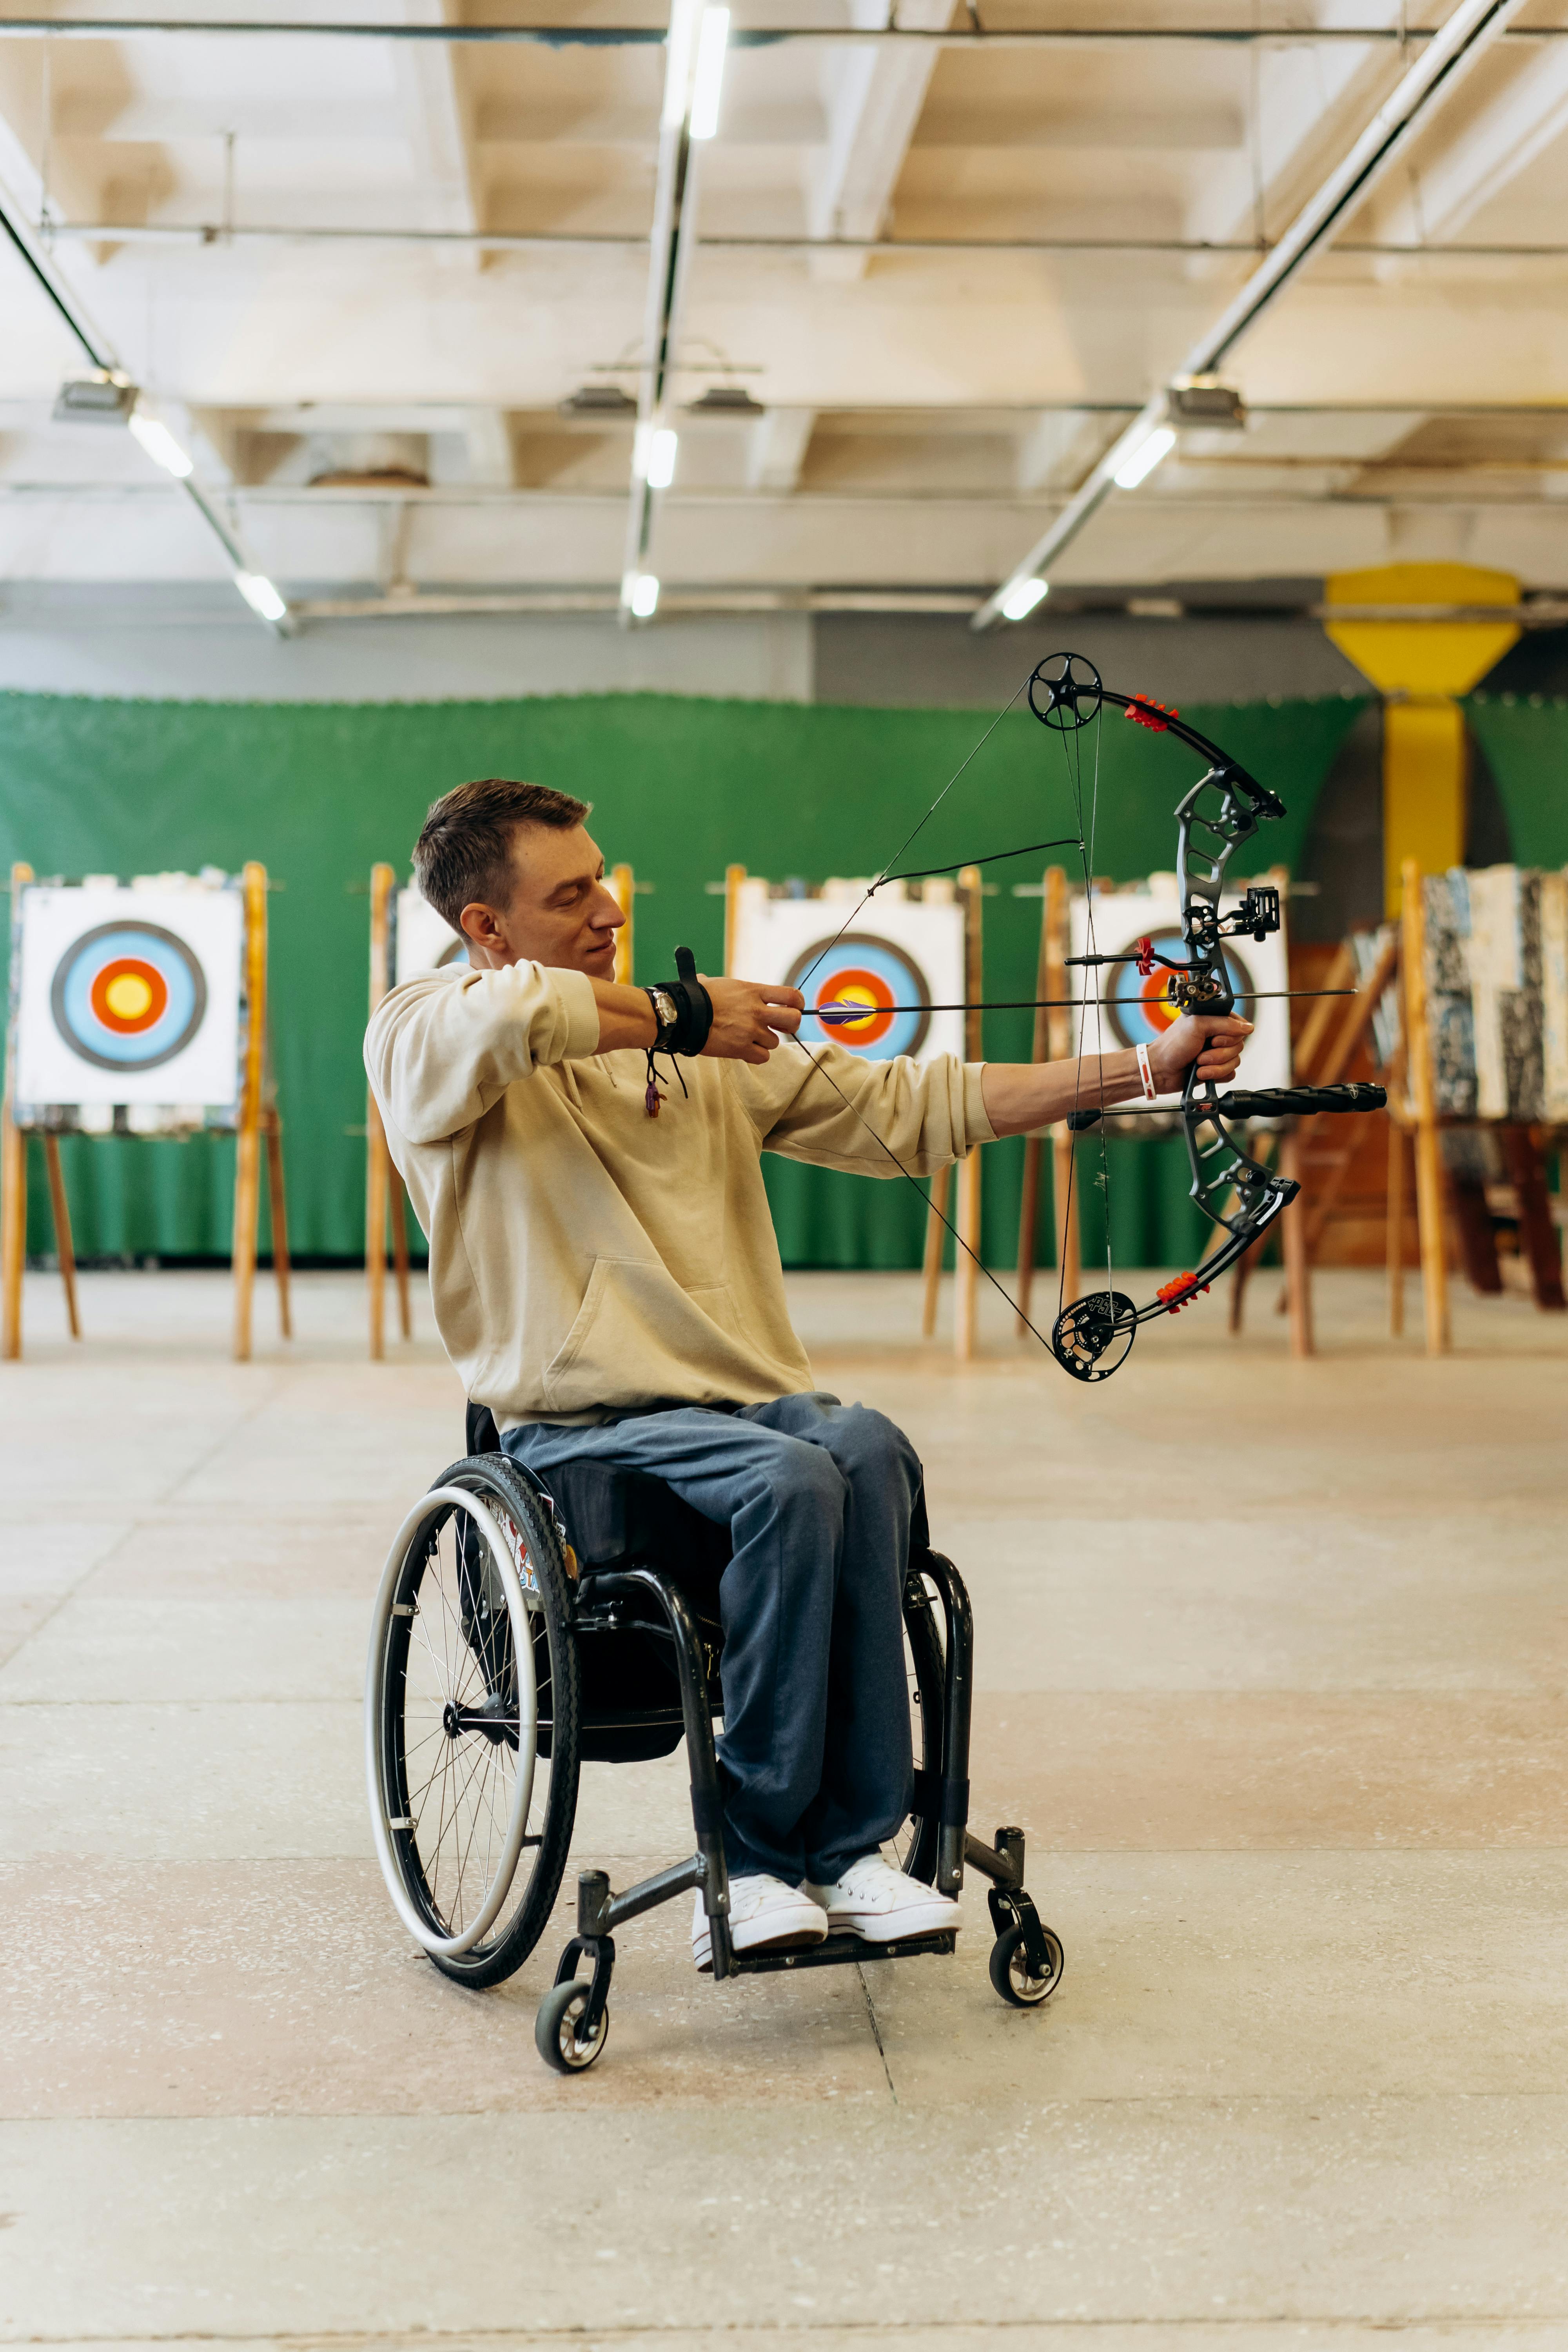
(1027, 1959)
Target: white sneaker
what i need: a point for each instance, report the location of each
(879, 1904)
(765, 1916)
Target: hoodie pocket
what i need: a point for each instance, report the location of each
(638, 1337)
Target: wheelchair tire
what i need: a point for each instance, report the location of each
(914, 1850)
(554, 2028)
(1011, 1977)
(471, 1720)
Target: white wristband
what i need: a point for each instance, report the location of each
(1150, 1091)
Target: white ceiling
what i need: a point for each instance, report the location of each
(926, 411)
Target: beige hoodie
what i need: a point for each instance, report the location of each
(586, 1258)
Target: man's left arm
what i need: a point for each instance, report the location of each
(1021, 1097)
(835, 1110)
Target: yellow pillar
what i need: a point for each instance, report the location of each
(1420, 665)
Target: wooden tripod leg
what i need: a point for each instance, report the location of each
(1069, 1258)
(1028, 1217)
(1537, 1234)
(1239, 1275)
(966, 1269)
(1395, 1230)
(375, 1166)
(278, 1211)
(64, 1249)
(13, 1228)
(399, 1245)
(935, 1234)
(1293, 1240)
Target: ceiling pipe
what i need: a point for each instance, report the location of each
(615, 241)
(1472, 28)
(99, 28)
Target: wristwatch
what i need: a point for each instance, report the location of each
(666, 1014)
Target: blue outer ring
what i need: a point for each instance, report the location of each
(70, 997)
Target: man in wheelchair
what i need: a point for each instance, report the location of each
(606, 1281)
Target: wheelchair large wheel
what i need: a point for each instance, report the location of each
(914, 1848)
(472, 1716)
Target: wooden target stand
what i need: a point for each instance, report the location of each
(965, 1267)
(1052, 1042)
(384, 1195)
(257, 1124)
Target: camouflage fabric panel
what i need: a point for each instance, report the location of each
(1554, 993)
(1449, 1018)
(1522, 1014)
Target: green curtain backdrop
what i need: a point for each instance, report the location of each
(1526, 743)
(682, 788)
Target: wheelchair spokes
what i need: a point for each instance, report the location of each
(463, 1713)
(471, 1721)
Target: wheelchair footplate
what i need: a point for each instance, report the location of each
(835, 1950)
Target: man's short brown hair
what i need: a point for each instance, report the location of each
(465, 850)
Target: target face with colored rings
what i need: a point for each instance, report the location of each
(1138, 1008)
(860, 969)
(128, 996)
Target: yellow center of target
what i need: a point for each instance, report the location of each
(128, 996)
(856, 995)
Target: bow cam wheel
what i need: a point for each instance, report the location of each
(1065, 692)
(1091, 1339)
(1012, 1974)
(556, 2029)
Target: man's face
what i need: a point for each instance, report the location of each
(559, 911)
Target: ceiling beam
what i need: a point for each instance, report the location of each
(614, 37)
(873, 99)
(1469, 32)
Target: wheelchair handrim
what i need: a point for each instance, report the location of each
(423, 1512)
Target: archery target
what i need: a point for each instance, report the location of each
(860, 969)
(1134, 1011)
(426, 940)
(893, 956)
(129, 997)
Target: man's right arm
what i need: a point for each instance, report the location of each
(441, 1051)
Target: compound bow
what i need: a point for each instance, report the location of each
(1091, 1338)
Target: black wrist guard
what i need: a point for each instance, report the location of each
(694, 1007)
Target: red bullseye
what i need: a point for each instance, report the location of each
(855, 985)
(1157, 1006)
(128, 995)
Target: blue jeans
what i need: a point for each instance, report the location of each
(819, 1496)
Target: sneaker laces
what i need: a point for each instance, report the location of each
(868, 1877)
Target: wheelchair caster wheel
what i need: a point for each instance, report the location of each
(1011, 1975)
(556, 2029)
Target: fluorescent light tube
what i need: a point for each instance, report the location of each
(159, 445)
(260, 595)
(678, 61)
(642, 595)
(1021, 598)
(1145, 457)
(708, 80)
(662, 445)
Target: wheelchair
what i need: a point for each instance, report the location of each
(522, 1629)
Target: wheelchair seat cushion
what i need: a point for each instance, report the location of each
(613, 1515)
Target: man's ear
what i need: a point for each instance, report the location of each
(477, 922)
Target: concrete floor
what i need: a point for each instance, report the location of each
(1271, 1665)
